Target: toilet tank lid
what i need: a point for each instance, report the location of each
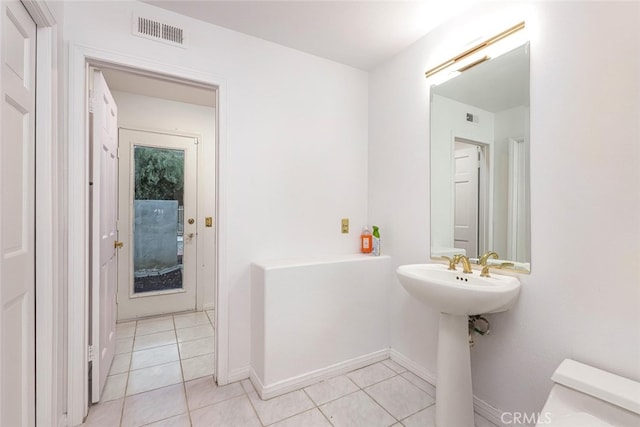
(603, 385)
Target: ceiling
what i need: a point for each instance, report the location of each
(358, 33)
(156, 87)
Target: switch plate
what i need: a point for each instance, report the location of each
(345, 225)
(208, 221)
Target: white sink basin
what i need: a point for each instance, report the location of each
(454, 292)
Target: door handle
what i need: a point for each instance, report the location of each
(118, 245)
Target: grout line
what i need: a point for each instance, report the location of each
(184, 383)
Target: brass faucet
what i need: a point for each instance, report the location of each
(485, 257)
(452, 263)
(485, 269)
(466, 264)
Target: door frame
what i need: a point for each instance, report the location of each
(80, 57)
(49, 244)
(485, 195)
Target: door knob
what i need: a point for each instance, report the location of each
(118, 245)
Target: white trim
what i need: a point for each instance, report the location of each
(47, 242)
(40, 13)
(412, 366)
(77, 190)
(77, 245)
(309, 378)
(488, 412)
(239, 374)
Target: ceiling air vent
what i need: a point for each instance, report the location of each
(159, 31)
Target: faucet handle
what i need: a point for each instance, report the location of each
(452, 262)
(483, 259)
(485, 269)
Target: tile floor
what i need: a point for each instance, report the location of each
(162, 375)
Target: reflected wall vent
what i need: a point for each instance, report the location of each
(159, 31)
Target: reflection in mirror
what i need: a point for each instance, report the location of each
(480, 161)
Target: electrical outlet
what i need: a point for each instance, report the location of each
(345, 225)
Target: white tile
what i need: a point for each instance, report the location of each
(356, 410)
(420, 383)
(154, 340)
(181, 420)
(371, 374)
(126, 329)
(204, 391)
(331, 389)
(194, 333)
(312, 418)
(197, 347)
(154, 377)
(154, 356)
(152, 326)
(114, 387)
(120, 363)
(399, 397)
(236, 412)
(197, 367)
(189, 320)
(280, 407)
(395, 366)
(124, 345)
(105, 414)
(156, 405)
(424, 418)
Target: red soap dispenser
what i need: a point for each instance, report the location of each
(366, 241)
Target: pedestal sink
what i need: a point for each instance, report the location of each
(456, 296)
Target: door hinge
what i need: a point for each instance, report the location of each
(90, 353)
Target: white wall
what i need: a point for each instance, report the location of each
(148, 113)
(296, 129)
(582, 299)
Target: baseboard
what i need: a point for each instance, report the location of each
(487, 411)
(208, 307)
(480, 407)
(239, 374)
(285, 386)
(412, 366)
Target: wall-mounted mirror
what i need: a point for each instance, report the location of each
(480, 161)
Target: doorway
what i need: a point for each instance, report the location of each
(213, 166)
(470, 196)
(164, 128)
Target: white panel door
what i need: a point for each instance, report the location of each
(103, 231)
(465, 234)
(17, 213)
(157, 223)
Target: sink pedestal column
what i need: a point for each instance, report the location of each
(454, 396)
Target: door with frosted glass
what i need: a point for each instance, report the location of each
(157, 223)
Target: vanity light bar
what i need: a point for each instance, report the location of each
(475, 49)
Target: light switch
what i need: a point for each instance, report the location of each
(345, 225)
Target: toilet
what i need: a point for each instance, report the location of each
(584, 396)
